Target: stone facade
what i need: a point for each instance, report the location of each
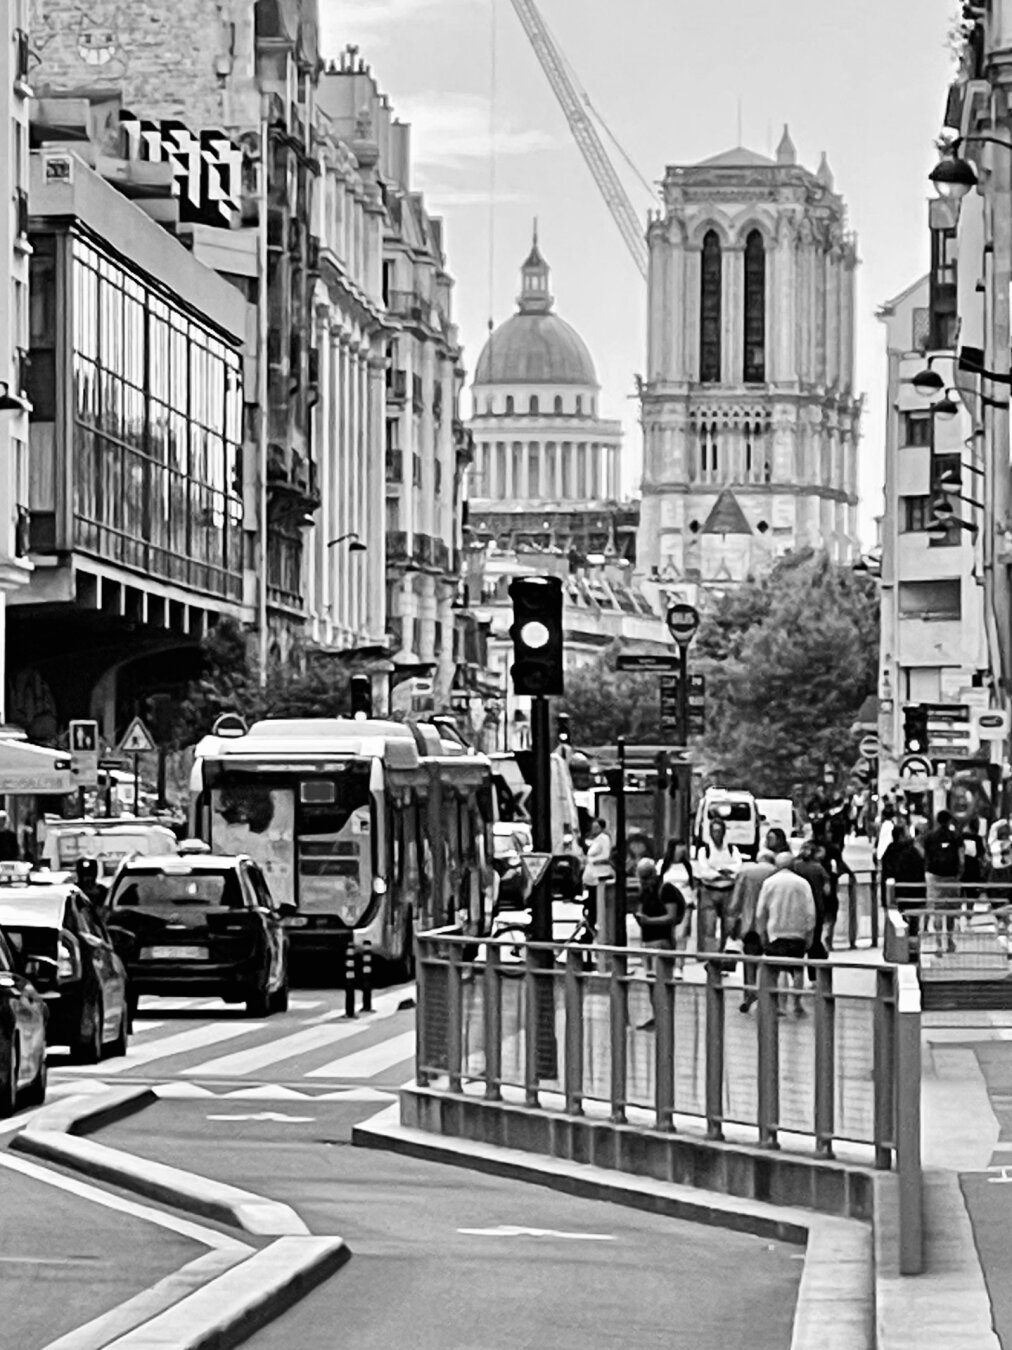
(749, 415)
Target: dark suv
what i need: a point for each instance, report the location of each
(202, 925)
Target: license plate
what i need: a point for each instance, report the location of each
(174, 954)
(299, 921)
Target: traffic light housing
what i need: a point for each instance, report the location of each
(361, 696)
(537, 635)
(562, 734)
(915, 729)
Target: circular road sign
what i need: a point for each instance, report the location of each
(869, 746)
(682, 621)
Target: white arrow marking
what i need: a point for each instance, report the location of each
(1005, 1178)
(267, 1115)
(511, 1230)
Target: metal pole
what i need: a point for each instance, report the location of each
(617, 935)
(263, 392)
(541, 786)
(541, 988)
(685, 779)
(137, 785)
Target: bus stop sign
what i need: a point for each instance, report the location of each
(682, 621)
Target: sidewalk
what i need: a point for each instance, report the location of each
(963, 1300)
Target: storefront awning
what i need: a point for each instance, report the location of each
(29, 769)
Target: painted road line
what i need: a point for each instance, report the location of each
(304, 1042)
(511, 1230)
(197, 1038)
(374, 1060)
(383, 1005)
(176, 1003)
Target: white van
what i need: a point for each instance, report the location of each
(738, 810)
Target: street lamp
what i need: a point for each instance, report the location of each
(10, 402)
(356, 545)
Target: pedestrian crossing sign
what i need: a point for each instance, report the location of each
(138, 740)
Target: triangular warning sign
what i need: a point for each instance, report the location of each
(535, 866)
(138, 740)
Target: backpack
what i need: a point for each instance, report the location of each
(941, 853)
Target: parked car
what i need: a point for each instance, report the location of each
(62, 945)
(23, 1016)
(203, 924)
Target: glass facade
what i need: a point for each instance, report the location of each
(158, 409)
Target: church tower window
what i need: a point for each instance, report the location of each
(558, 403)
(755, 309)
(509, 403)
(532, 406)
(710, 310)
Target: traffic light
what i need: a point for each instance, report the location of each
(562, 728)
(915, 729)
(361, 696)
(537, 635)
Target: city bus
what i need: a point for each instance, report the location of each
(371, 829)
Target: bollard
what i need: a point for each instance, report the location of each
(349, 983)
(367, 977)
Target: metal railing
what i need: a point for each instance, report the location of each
(962, 934)
(860, 917)
(663, 1032)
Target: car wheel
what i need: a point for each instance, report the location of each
(259, 1003)
(119, 1045)
(35, 1092)
(279, 999)
(9, 1083)
(88, 1049)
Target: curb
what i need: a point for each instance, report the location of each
(231, 1308)
(835, 1305)
(53, 1134)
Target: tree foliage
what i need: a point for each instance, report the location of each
(788, 660)
(230, 682)
(604, 703)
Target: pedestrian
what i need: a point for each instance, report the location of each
(87, 879)
(808, 866)
(598, 868)
(776, 841)
(837, 866)
(786, 921)
(676, 871)
(975, 861)
(999, 848)
(744, 903)
(9, 850)
(943, 867)
(661, 910)
(903, 864)
(716, 866)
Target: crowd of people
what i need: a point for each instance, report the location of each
(780, 905)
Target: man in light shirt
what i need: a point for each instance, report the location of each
(786, 919)
(716, 865)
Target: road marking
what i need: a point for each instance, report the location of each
(208, 1237)
(384, 1005)
(1004, 1180)
(372, 1061)
(268, 1115)
(511, 1230)
(197, 1038)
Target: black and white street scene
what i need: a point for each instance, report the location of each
(505, 675)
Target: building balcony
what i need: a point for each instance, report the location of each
(395, 466)
(397, 547)
(396, 386)
(405, 305)
(463, 443)
(292, 489)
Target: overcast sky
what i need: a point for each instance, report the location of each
(863, 80)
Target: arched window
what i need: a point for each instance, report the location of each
(558, 403)
(579, 405)
(532, 406)
(709, 310)
(489, 405)
(755, 309)
(509, 403)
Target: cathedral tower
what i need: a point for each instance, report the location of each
(750, 422)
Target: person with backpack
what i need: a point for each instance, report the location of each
(661, 911)
(716, 867)
(943, 867)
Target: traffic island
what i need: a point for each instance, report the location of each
(228, 1308)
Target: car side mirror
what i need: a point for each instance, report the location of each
(41, 970)
(287, 910)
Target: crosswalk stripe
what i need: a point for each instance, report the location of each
(174, 1003)
(375, 1059)
(164, 1047)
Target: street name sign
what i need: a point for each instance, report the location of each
(647, 661)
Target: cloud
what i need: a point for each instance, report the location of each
(448, 130)
(374, 22)
(440, 198)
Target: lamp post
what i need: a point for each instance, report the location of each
(682, 621)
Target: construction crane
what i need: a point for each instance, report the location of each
(575, 105)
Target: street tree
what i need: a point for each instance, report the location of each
(788, 660)
(604, 703)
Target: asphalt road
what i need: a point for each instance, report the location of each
(448, 1258)
(65, 1260)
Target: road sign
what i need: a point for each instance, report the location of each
(535, 866)
(107, 765)
(84, 750)
(646, 661)
(869, 746)
(138, 740)
(915, 766)
(682, 621)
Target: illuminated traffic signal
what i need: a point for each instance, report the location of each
(915, 729)
(361, 696)
(562, 728)
(537, 635)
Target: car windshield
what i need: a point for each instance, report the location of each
(730, 811)
(172, 890)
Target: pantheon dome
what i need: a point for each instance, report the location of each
(535, 346)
